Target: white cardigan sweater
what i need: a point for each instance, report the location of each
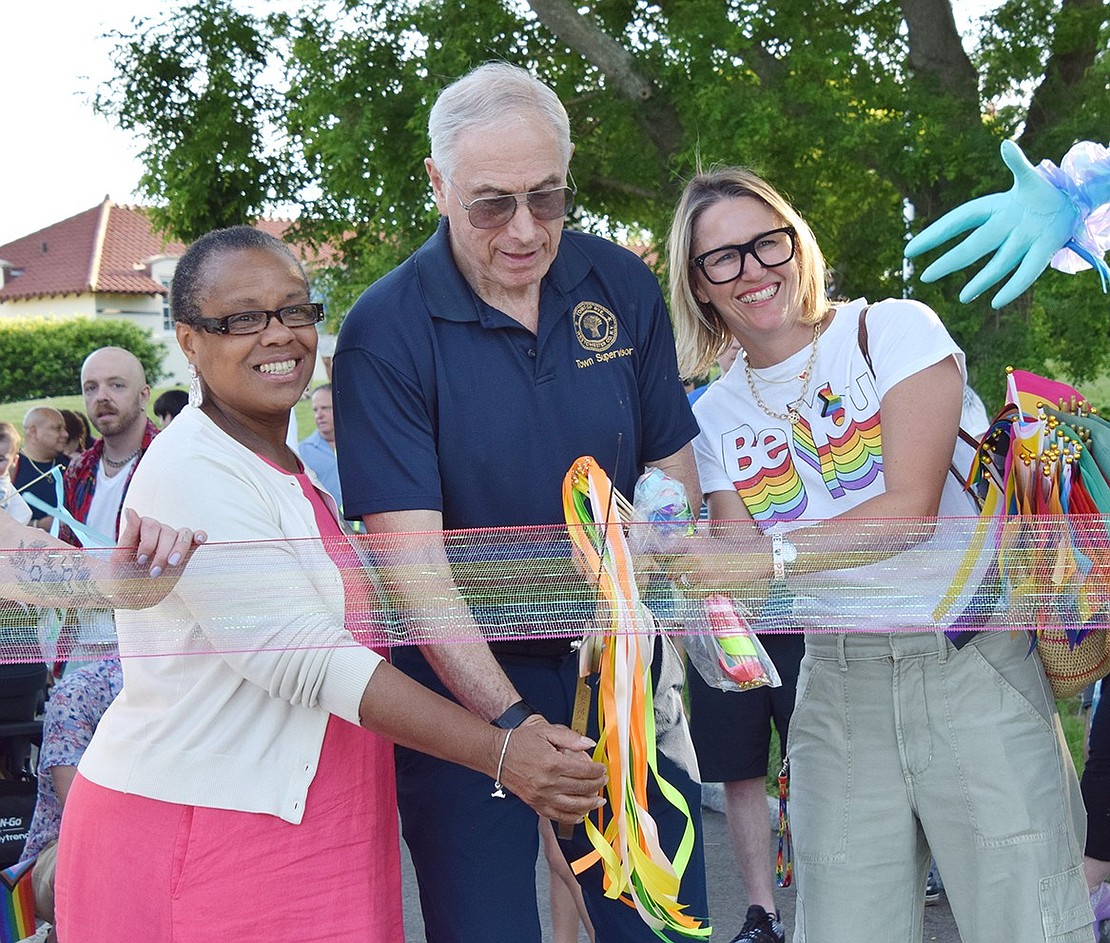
(247, 658)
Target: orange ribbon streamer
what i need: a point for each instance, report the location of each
(625, 836)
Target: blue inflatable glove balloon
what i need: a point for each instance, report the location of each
(1024, 227)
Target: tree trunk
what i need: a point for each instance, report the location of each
(936, 52)
(1075, 45)
(657, 116)
(940, 66)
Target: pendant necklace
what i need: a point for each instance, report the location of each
(43, 472)
(792, 414)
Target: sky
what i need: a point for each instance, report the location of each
(58, 158)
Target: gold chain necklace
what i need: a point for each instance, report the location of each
(792, 415)
(50, 463)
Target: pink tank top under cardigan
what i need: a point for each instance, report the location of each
(134, 867)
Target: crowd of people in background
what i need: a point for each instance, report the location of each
(226, 775)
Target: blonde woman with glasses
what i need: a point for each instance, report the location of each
(905, 738)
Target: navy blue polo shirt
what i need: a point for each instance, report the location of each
(443, 402)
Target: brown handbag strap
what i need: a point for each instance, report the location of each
(967, 437)
(863, 339)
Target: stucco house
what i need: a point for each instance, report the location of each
(105, 262)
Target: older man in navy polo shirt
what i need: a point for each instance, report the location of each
(466, 383)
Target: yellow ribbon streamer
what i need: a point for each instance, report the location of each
(626, 843)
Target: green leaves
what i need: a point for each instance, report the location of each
(842, 105)
(193, 85)
(42, 357)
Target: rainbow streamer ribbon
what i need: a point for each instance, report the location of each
(1044, 500)
(739, 654)
(17, 903)
(626, 839)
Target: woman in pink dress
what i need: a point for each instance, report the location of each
(241, 786)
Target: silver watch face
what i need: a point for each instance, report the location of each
(789, 552)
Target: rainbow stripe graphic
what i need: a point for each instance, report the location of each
(819, 458)
(849, 461)
(775, 493)
(858, 454)
(17, 903)
(763, 465)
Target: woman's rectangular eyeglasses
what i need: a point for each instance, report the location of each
(255, 322)
(726, 263)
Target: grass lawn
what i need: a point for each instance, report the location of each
(1074, 724)
(14, 412)
(1097, 391)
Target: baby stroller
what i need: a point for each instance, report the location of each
(22, 695)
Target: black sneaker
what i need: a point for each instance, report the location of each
(760, 927)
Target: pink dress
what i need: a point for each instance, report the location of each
(130, 867)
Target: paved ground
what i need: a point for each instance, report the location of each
(727, 902)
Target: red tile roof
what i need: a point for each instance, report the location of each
(128, 242)
(104, 249)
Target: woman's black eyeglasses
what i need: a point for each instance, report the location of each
(255, 322)
(726, 263)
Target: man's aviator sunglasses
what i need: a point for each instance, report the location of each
(255, 322)
(493, 212)
(726, 263)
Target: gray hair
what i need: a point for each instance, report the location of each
(483, 98)
(37, 414)
(188, 277)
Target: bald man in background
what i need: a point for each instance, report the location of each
(114, 386)
(44, 436)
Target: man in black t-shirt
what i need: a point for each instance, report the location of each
(44, 436)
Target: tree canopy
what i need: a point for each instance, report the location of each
(863, 111)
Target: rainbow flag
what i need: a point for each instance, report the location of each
(17, 903)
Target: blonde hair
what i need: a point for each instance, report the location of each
(700, 332)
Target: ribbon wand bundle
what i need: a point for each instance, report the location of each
(625, 836)
(1042, 472)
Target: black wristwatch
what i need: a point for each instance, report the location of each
(514, 715)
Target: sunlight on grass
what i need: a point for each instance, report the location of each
(14, 412)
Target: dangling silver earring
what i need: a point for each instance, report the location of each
(196, 394)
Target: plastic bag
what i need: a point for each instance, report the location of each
(659, 509)
(725, 650)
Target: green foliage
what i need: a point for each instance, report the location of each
(43, 357)
(1073, 719)
(194, 88)
(1013, 46)
(847, 106)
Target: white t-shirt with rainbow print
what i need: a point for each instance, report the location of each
(832, 460)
